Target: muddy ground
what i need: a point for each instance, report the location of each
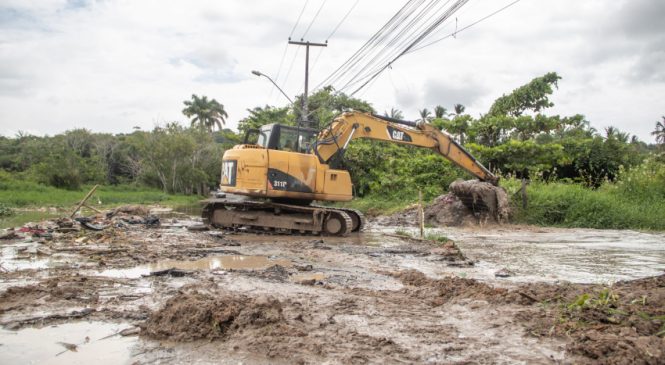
(164, 294)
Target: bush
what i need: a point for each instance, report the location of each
(5, 210)
(636, 200)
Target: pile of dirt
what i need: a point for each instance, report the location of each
(621, 324)
(449, 211)
(468, 203)
(192, 316)
(440, 291)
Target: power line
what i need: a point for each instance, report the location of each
(286, 47)
(313, 19)
(299, 16)
(373, 42)
(466, 27)
(406, 35)
(316, 60)
(428, 31)
(343, 19)
(293, 61)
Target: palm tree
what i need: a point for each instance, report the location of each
(394, 113)
(439, 111)
(459, 109)
(611, 132)
(659, 133)
(425, 115)
(207, 113)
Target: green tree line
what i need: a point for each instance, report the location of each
(514, 138)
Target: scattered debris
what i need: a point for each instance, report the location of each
(135, 210)
(69, 346)
(198, 227)
(504, 273)
(9, 235)
(176, 273)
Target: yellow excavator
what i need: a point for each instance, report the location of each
(270, 185)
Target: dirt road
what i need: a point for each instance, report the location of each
(111, 296)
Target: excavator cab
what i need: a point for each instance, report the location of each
(282, 137)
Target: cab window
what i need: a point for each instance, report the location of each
(291, 140)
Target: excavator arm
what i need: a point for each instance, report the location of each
(334, 139)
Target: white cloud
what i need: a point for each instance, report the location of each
(111, 65)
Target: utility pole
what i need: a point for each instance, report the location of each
(305, 111)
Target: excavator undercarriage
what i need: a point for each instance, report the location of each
(271, 217)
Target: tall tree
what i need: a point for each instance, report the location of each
(532, 96)
(659, 132)
(207, 113)
(440, 111)
(425, 115)
(611, 132)
(394, 113)
(459, 109)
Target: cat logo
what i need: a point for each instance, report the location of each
(398, 135)
(229, 172)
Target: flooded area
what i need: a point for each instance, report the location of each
(228, 262)
(556, 254)
(67, 344)
(134, 293)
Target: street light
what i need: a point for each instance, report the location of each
(257, 73)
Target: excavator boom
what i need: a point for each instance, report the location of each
(334, 139)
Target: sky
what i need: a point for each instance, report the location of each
(111, 66)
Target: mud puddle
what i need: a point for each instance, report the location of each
(49, 345)
(30, 256)
(225, 262)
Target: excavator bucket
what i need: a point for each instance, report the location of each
(482, 197)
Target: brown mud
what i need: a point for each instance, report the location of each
(220, 297)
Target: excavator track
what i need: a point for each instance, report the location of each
(271, 217)
(357, 217)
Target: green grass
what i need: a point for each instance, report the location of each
(24, 202)
(29, 194)
(635, 201)
(436, 237)
(572, 205)
(20, 218)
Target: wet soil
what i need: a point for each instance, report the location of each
(220, 297)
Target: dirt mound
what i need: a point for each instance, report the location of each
(625, 347)
(449, 211)
(192, 316)
(621, 324)
(440, 291)
(467, 204)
